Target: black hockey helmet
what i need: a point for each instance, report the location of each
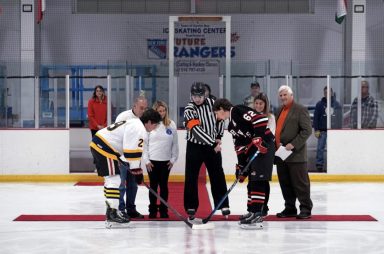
(198, 89)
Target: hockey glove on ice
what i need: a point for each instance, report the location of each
(138, 173)
(258, 142)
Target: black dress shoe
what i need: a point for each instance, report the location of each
(135, 214)
(164, 215)
(191, 214)
(303, 215)
(287, 214)
(152, 215)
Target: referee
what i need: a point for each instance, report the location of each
(204, 134)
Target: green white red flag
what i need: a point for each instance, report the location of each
(341, 11)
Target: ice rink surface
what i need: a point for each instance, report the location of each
(175, 237)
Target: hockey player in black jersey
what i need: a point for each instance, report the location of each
(250, 133)
(204, 134)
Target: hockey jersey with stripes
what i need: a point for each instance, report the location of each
(244, 125)
(201, 123)
(124, 140)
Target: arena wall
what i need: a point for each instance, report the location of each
(47, 152)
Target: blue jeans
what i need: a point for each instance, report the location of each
(128, 186)
(321, 143)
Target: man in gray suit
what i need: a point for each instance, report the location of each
(293, 128)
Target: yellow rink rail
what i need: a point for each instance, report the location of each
(91, 177)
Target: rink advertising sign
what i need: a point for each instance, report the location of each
(199, 40)
(193, 40)
(197, 66)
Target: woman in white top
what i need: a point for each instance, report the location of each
(261, 104)
(160, 153)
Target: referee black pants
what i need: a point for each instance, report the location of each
(195, 156)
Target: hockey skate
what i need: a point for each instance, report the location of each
(115, 218)
(244, 216)
(252, 221)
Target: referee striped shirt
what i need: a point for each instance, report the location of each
(208, 129)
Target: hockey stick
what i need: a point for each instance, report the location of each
(245, 170)
(189, 224)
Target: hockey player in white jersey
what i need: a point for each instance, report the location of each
(121, 141)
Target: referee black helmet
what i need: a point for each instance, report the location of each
(198, 89)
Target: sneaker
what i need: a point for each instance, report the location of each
(287, 213)
(135, 214)
(254, 221)
(225, 211)
(191, 214)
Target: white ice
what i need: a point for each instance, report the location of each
(176, 237)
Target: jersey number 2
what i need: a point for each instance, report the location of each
(141, 141)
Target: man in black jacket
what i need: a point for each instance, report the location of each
(320, 125)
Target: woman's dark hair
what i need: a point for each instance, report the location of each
(222, 103)
(94, 96)
(263, 97)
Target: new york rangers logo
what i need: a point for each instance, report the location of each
(157, 48)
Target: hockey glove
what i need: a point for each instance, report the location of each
(258, 142)
(138, 173)
(239, 174)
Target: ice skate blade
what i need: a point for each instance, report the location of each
(109, 225)
(256, 226)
